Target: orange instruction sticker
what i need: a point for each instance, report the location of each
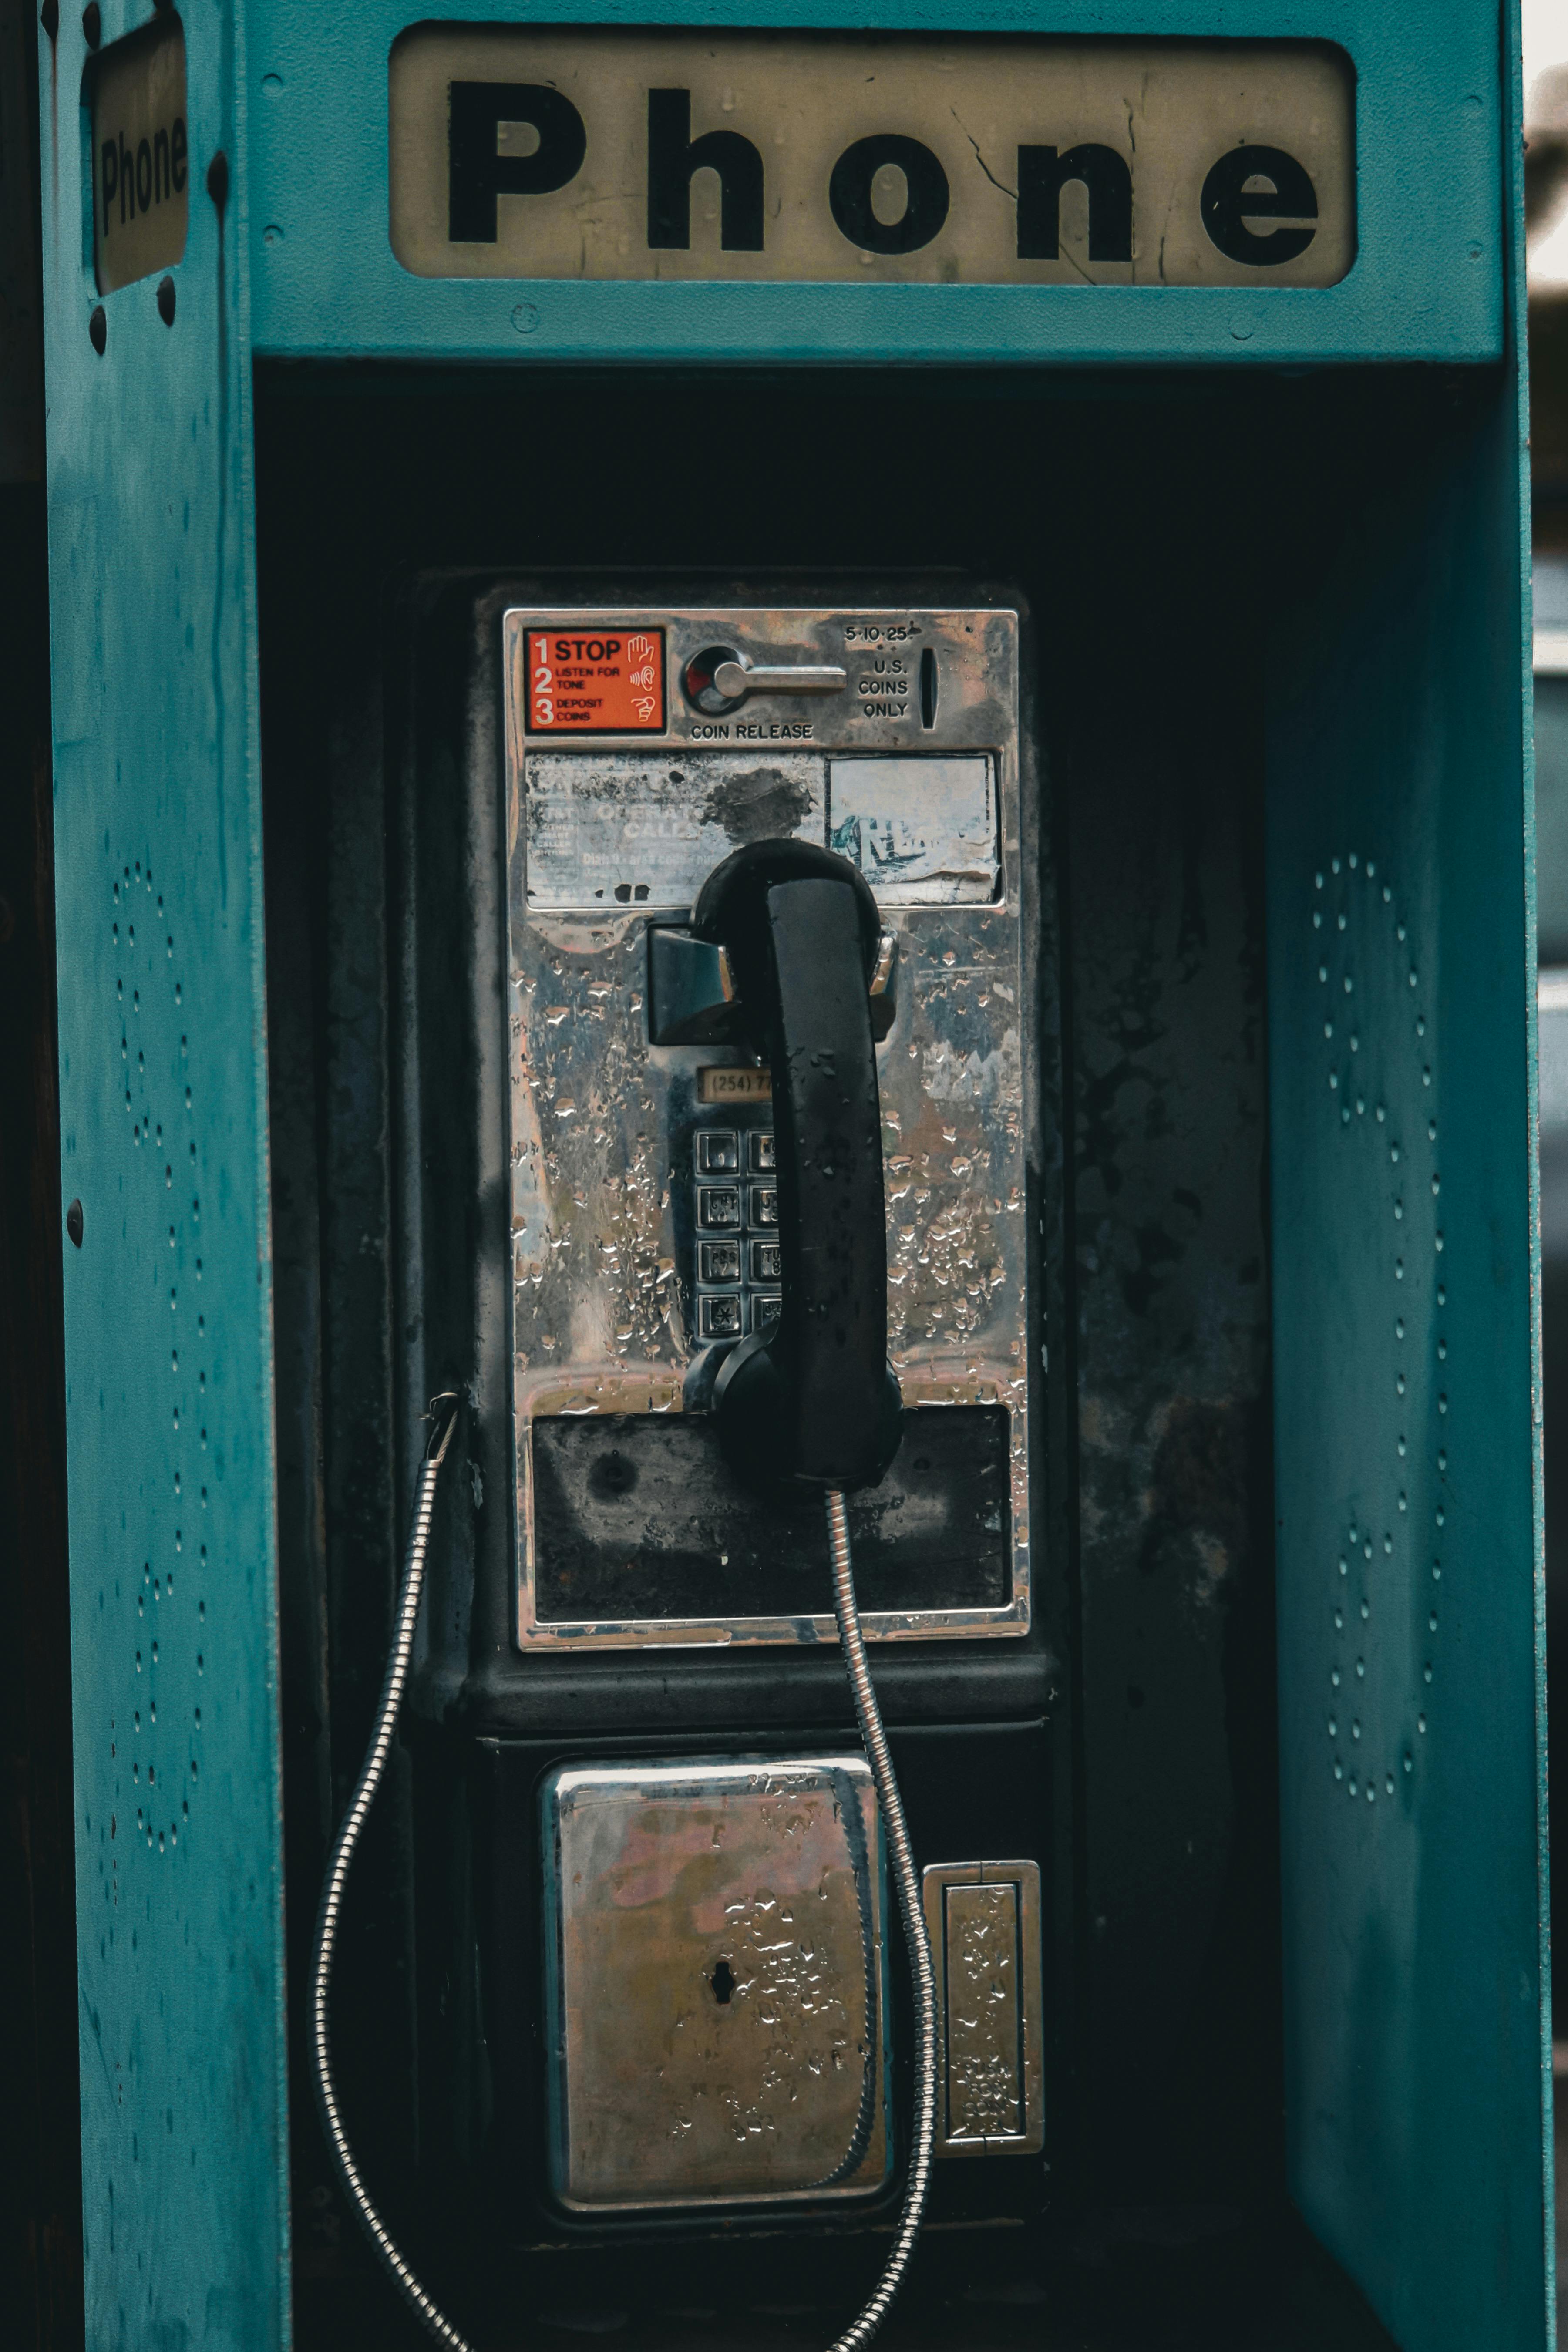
(595, 681)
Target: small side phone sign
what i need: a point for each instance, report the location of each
(141, 155)
(596, 680)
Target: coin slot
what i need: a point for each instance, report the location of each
(928, 687)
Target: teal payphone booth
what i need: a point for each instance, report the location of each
(789, 757)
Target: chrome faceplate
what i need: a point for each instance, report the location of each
(607, 833)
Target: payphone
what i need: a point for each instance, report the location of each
(762, 996)
(679, 1219)
(498, 474)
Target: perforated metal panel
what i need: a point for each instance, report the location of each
(1380, 1625)
(1401, 1042)
(164, 1085)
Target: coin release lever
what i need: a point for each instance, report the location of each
(718, 677)
(740, 677)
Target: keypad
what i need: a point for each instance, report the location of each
(720, 1317)
(737, 1276)
(718, 1152)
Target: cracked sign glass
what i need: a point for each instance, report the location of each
(944, 159)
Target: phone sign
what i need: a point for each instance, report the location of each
(595, 681)
(141, 155)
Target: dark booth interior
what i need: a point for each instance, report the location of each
(1160, 531)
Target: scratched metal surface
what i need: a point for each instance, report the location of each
(717, 1983)
(601, 1315)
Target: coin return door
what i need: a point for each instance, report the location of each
(642, 748)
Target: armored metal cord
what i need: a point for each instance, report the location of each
(443, 1412)
(916, 1940)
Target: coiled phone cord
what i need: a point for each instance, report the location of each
(443, 1415)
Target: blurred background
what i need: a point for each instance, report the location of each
(1546, 211)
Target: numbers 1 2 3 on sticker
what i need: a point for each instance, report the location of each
(595, 681)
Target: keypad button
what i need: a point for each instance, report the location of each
(718, 1151)
(719, 1207)
(765, 1262)
(765, 1306)
(719, 1260)
(759, 1154)
(764, 1205)
(718, 1318)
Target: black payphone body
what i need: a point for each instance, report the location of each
(656, 1984)
(1056, 1777)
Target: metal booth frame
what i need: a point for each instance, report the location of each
(1405, 1267)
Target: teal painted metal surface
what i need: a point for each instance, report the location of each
(1417, 1977)
(163, 1082)
(1407, 1397)
(1428, 283)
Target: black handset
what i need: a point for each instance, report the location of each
(814, 1397)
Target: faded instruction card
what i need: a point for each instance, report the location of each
(620, 828)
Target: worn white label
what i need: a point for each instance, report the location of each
(922, 831)
(624, 829)
(603, 152)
